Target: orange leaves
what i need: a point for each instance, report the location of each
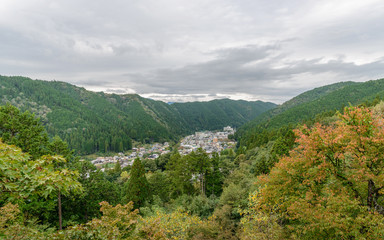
(321, 188)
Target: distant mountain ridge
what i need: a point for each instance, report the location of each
(96, 121)
(304, 98)
(311, 103)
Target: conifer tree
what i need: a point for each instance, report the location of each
(137, 188)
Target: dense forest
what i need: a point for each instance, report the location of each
(316, 176)
(306, 107)
(97, 122)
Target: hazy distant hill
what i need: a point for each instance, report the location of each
(311, 103)
(92, 122)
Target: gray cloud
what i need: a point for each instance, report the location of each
(194, 50)
(255, 70)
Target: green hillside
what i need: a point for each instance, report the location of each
(92, 122)
(309, 104)
(217, 113)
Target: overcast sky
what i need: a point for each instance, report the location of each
(186, 50)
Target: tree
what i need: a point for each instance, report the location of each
(214, 178)
(23, 178)
(176, 225)
(117, 222)
(114, 173)
(180, 175)
(97, 188)
(23, 130)
(200, 164)
(57, 146)
(160, 185)
(137, 188)
(331, 185)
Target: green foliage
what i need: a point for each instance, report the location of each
(22, 177)
(23, 130)
(257, 225)
(97, 188)
(216, 114)
(57, 146)
(13, 225)
(214, 176)
(199, 165)
(197, 168)
(160, 185)
(328, 187)
(33, 183)
(321, 102)
(117, 222)
(199, 205)
(236, 188)
(137, 189)
(96, 122)
(263, 159)
(180, 175)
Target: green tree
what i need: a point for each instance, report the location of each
(23, 179)
(180, 176)
(97, 188)
(160, 185)
(214, 178)
(200, 164)
(137, 188)
(114, 173)
(23, 130)
(117, 222)
(57, 146)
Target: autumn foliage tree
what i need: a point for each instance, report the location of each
(331, 185)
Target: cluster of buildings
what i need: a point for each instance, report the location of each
(208, 141)
(151, 152)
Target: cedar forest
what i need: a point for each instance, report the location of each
(310, 168)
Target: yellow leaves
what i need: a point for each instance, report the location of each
(124, 176)
(259, 225)
(175, 225)
(8, 214)
(117, 222)
(322, 184)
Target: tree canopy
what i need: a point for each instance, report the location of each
(331, 185)
(137, 188)
(23, 129)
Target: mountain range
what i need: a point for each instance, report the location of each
(99, 122)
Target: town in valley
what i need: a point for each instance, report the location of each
(209, 141)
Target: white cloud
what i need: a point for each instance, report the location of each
(180, 49)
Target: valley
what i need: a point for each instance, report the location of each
(209, 141)
(219, 169)
(97, 122)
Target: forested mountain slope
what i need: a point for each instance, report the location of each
(309, 104)
(91, 121)
(214, 114)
